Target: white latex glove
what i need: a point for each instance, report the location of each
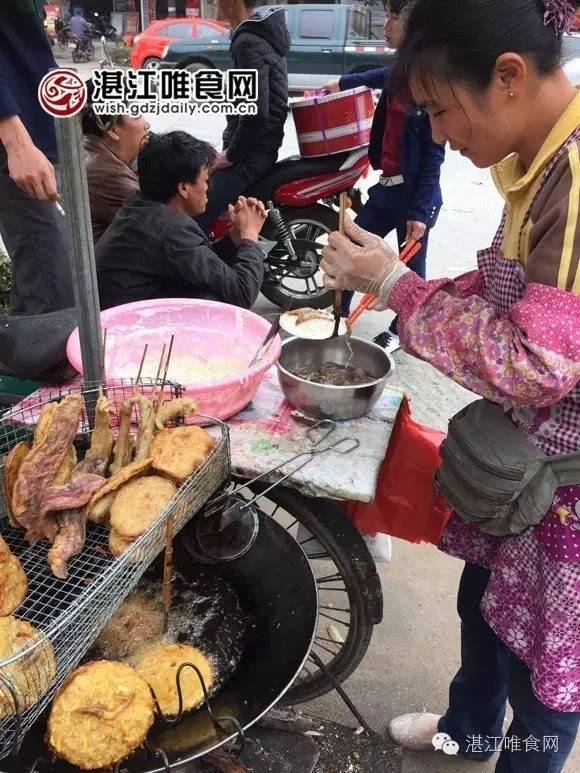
(221, 161)
(361, 261)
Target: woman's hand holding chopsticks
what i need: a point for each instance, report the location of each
(361, 261)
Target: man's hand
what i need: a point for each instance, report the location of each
(247, 217)
(415, 229)
(221, 161)
(332, 87)
(28, 166)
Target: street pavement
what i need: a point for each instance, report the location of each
(414, 652)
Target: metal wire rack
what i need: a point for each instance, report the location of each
(69, 614)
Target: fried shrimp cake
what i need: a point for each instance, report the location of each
(118, 479)
(30, 674)
(159, 668)
(136, 625)
(101, 714)
(179, 451)
(13, 581)
(118, 545)
(138, 504)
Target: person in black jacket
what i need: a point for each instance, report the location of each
(31, 227)
(155, 249)
(260, 41)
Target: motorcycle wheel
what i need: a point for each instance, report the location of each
(90, 52)
(62, 42)
(76, 57)
(302, 286)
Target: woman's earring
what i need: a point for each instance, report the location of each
(512, 95)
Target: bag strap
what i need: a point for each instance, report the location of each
(566, 469)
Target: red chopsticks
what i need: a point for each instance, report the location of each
(411, 248)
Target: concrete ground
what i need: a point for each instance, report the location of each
(415, 651)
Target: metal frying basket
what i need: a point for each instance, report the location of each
(69, 614)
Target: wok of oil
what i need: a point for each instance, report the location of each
(205, 613)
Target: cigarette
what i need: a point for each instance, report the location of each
(60, 209)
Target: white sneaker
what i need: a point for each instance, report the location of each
(414, 732)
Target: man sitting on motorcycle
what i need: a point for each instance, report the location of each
(155, 249)
(260, 42)
(79, 27)
(111, 144)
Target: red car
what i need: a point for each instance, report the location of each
(149, 44)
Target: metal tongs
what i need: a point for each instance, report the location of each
(342, 446)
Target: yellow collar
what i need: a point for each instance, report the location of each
(509, 176)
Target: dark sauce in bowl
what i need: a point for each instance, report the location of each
(332, 374)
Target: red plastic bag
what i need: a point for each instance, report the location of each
(406, 505)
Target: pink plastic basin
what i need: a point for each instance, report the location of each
(203, 330)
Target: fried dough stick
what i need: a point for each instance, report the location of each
(102, 439)
(180, 406)
(122, 455)
(146, 426)
(123, 451)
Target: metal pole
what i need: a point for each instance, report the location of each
(71, 162)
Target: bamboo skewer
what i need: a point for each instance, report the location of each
(138, 379)
(103, 352)
(157, 377)
(169, 526)
(162, 396)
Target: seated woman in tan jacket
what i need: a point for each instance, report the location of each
(111, 144)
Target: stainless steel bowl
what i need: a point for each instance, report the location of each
(332, 402)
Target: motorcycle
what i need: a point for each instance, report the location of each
(302, 195)
(62, 31)
(83, 49)
(102, 26)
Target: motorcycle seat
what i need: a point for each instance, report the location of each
(293, 168)
(29, 346)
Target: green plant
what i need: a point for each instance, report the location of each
(119, 53)
(5, 281)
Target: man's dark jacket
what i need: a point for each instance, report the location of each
(25, 58)
(421, 157)
(261, 43)
(153, 251)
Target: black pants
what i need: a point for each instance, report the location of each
(34, 234)
(539, 739)
(227, 184)
(387, 210)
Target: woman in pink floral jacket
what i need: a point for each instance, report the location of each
(489, 73)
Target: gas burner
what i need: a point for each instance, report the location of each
(224, 534)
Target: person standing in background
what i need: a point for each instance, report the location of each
(407, 197)
(31, 227)
(260, 41)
